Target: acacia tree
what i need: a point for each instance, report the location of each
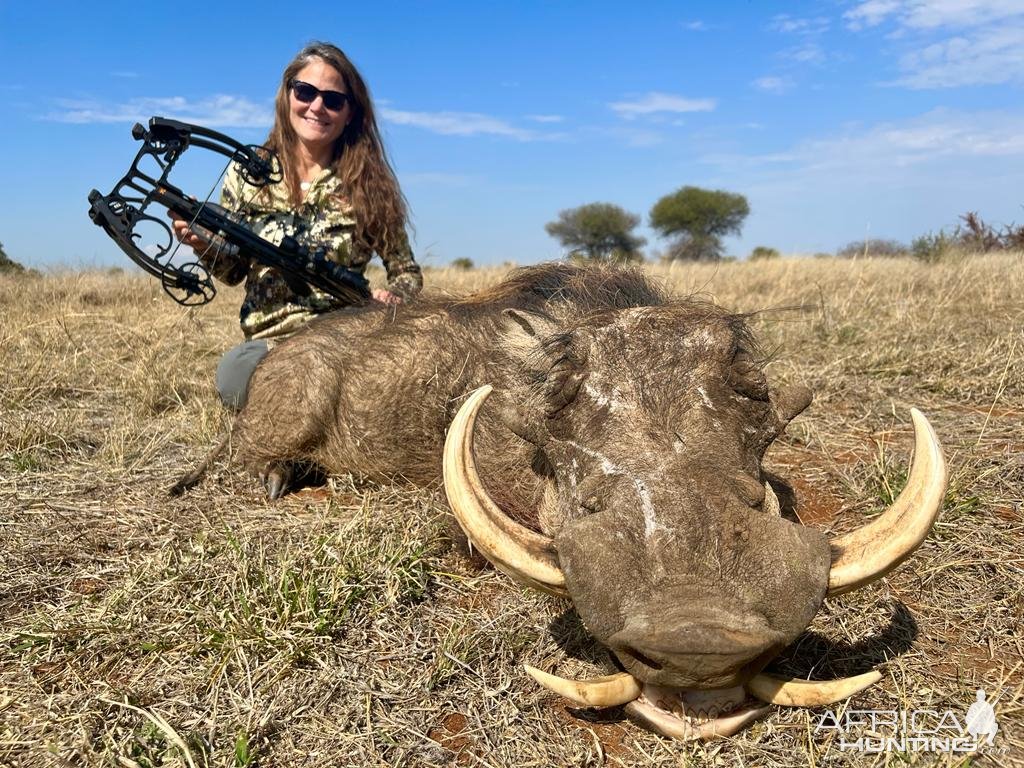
(599, 232)
(698, 219)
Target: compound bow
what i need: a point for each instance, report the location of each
(191, 284)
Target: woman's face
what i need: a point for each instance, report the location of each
(316, 126)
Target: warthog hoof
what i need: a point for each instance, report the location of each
(277, 478)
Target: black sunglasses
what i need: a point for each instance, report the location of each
(306, 93)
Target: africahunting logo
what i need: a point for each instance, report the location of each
(916, 730)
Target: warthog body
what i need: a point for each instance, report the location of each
(626, 426)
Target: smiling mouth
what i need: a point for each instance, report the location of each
(691, 714)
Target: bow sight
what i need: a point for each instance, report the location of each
(120, 212)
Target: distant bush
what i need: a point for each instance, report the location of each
(872, 247)
(764, 252)
(933, 247)
(971, 236)
(463, 263)
(975, 235)
(7, 264)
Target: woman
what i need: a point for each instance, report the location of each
(338, 191)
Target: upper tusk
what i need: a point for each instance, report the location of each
(609, 691)
(871, 551)
(528, 557)
(789, 692)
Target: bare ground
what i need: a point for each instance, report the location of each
(341, 627)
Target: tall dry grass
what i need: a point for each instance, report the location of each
(340, 627)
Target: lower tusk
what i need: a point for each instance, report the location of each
(787, 692)
(675, 728)
(607, 691)
(771, 504)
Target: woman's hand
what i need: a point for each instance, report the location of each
(385, 297)
(187, 236)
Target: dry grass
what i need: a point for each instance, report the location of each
(340, 627)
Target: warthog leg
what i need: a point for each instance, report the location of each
(291, 412)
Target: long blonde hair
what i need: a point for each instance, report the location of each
(359, 160)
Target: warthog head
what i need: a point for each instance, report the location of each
(650, 425)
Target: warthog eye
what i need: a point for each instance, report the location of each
(561, 389)
(591, 496)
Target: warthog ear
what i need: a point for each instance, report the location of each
(543, 348)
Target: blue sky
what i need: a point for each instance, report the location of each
(838, 120)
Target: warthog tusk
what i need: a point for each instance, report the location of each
(677, 728)
(609, 691)
(871, 551)
(526, 556)
(771, 505)
(788, 692)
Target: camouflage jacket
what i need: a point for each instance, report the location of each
(270, 307)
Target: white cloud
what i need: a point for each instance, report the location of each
(808, 50)
(871, 13)
(654, 102)
(961, 13)
(545, 118)
(932, 14)
(989, 56)
(639, 137)
(903, 176)
(239, 112)
(772, 84)
(459, 124)
(931, 139)
(808, 31)
(787, 24)
(214, 112)
(807, 53)
(951, 43)
(695, 26)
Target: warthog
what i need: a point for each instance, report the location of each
(617, 463)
